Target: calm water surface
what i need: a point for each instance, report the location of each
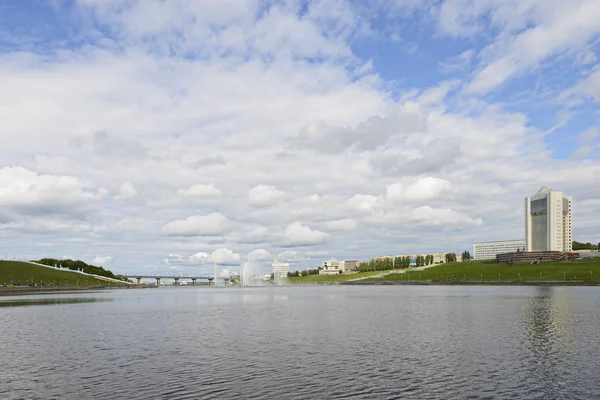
(324, 342)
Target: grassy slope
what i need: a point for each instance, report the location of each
(475, 270)
(331, 278)
(17, 271)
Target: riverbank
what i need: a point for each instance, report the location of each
(578, 272)
(22, 290)
(469, 283)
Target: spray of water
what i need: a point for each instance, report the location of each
(250, 273)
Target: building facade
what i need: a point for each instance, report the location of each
(280, 270)
(332, 267)
(351, 265)
(438, 258)
(489, 250)
(548, 221)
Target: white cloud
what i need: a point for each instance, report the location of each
(128, 191)
(212, 224)
(260, 255)
(297, 234)
(174, 258)
(341, 225)
(441, 217)
(422, 189)
(363, 202)
(103, 260)
(198, 258)
(24, 189)
(224, 256)
(200, 191)
(262, 195)
(557, 27)
(184, 106)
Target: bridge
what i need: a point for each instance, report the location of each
(139, 278)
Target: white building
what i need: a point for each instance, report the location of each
(548, 218)
(489, 250)
(332, 267)
(280, 270)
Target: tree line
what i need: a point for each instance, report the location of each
(585, 246)
(383, 264)
(306, 272)
(78, 265)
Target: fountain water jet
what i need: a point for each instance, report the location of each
(250, 273)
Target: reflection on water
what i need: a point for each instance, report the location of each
(326, 342)
(51, 301)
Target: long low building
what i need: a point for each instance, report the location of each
(489, 250)
(438, 258)
(535, 256)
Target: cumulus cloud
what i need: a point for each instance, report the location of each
(103, 260)
(441, 217)
(260, 255)
(200, 191)
(224, 256)
(212, 224)
(29, 191)
(297, 234)
(198, 258)
(184, 114)
(422, 189)
(262, 195)
(363, 202)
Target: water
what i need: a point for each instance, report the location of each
(328, 342)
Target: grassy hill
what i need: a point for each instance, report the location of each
(477, 271)
(17, 272)
(331, 278)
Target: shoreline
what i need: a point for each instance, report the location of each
(468, 283)
(16, 290)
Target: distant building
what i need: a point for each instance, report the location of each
(351, 265)
(489, 250)
(280, 270)
(438, 258)
(332, 267)
(548, 217)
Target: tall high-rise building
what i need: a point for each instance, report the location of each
(548, 218)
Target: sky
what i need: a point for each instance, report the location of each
(166, 136)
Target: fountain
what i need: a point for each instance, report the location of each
(250, 273)
(216, 274)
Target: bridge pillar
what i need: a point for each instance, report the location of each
(176, 281)
(193, 281)
(157, 281)
(139, 280)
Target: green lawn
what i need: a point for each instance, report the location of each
(24, 273)
(477, 271)
(332, 278)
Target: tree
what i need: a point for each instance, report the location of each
(466, 256)
(450, 257)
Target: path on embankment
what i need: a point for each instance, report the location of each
(398, 271)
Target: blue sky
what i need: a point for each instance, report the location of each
(150, 135)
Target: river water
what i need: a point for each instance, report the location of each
(318, 342)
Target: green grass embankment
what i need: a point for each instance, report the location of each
(474, 271)
(332, 278)
(22, 273)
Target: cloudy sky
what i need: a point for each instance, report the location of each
(149, 135)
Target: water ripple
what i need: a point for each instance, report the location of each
(305, 343)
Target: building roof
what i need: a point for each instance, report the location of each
(543, 190)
